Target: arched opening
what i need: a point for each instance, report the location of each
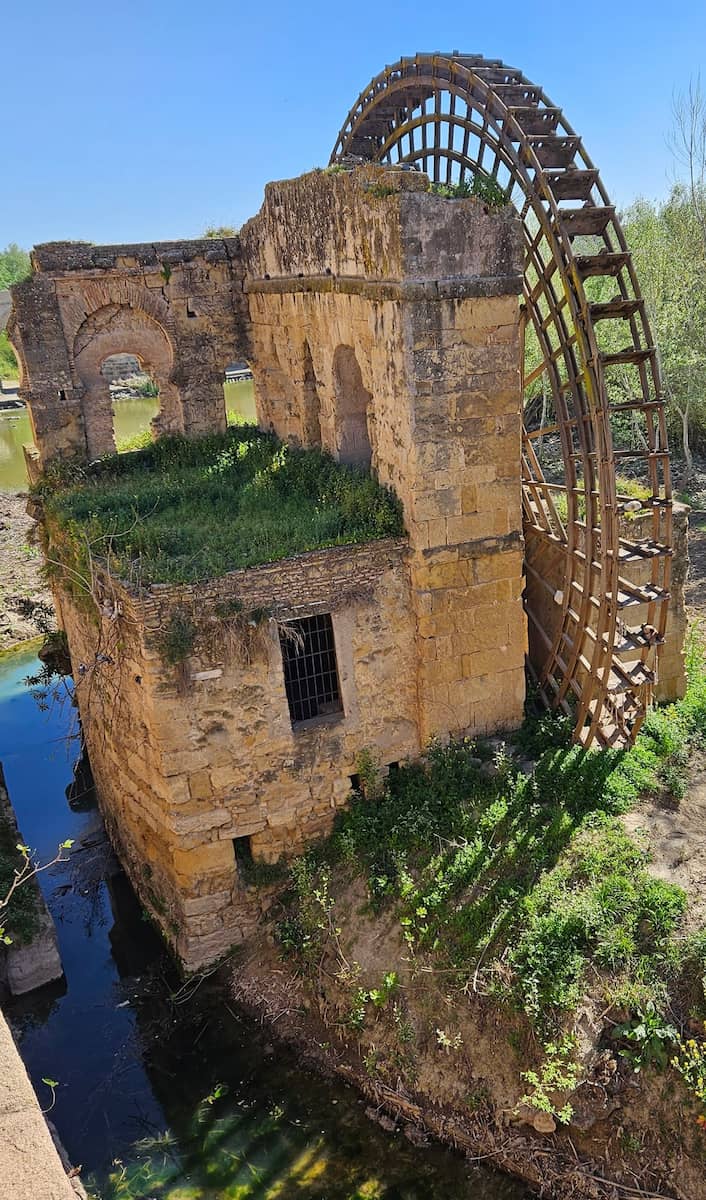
(311, 403)
(239, 393)
(134, 397)
(351, 416)
(16, 430)
(127, 335)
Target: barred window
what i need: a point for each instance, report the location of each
(310, 670)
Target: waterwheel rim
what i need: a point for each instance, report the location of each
(455, 115)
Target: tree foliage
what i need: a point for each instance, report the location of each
(14, 266)
(668, 243)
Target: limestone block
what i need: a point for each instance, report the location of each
(31, 966)
(201, 860)
(200, 787)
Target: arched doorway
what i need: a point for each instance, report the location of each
(134, 398)
(119, 331)
(239, 393)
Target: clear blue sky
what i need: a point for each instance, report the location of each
(134, 120)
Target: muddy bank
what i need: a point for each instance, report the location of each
(437, 1065)
(24, 595)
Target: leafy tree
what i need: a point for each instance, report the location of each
(670, 257)
(14, 266)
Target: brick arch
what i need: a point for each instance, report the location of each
(119, 329)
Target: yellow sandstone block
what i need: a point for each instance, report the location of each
(200, 786)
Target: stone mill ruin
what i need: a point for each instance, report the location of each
(385, 316)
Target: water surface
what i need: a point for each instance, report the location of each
(166, 1092)
(131, 416)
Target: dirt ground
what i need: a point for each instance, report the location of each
(675, 833)
(20, 578)
(696, 582)
(675, 830)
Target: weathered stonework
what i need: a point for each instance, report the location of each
(181, 775)
(175, 306)
(381, 322)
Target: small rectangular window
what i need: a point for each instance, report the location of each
(243, 856)
(310, 670)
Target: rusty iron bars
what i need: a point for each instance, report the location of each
(456, 114)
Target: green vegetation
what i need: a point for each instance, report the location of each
(136, 441)
(690, 1062)
(14, 266)
(557, 1074)
(181, 510)
(485, 187)
(667, 240)
(528, 882)
(19, 921)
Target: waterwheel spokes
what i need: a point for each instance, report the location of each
(454, 114)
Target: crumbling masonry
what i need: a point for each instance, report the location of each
(381, 323)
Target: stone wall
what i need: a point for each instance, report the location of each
(176, 306)
(25, 966)
(181, 772)
(421, 294)
(381, 322)
(30, 1166)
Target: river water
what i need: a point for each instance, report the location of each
(164, 1092)
(130, 416)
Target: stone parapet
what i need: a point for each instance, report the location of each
(30, 1166)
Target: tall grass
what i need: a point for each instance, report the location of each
(194, 509)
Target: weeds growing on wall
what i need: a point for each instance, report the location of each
(181, 510)
(222, 633)
(484, 187)
(526, 886)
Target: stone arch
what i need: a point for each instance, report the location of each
(352, 404)
(79, 306)
(112, 330)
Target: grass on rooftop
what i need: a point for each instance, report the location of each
(182, 510)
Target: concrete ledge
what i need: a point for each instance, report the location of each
(30, 1167)
(389, 289)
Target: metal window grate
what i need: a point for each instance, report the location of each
(310, 671)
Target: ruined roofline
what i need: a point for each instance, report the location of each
(75, 256)
(308, 582)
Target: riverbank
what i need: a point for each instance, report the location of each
(447, 1065)
(22, 587)
(498, 953)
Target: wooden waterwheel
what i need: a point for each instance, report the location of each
(457, 117)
